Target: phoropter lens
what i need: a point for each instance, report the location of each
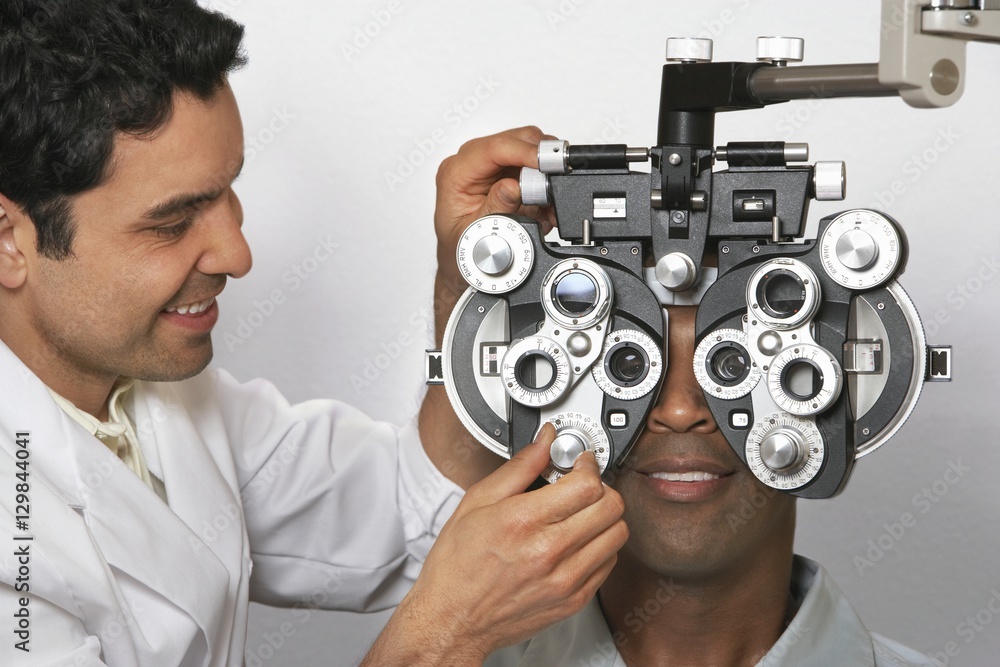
(575, 294)
(781, 293)
(627, 364)
(728, 363)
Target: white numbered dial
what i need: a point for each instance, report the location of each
(575, 433)
(784, 451)
(804, 379)
(723, 365)
(495, 254)
(615, 375)
(861, 249)
(535, 371)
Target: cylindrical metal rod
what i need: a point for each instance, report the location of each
(818, 81)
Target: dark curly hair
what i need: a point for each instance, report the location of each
(74, 73)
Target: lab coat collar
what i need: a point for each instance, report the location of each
(135, 532)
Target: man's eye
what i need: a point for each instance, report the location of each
(173, 230)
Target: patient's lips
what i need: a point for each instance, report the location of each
(684, 480)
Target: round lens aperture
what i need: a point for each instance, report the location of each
(535, 370)
(728, 363)
(630, 366)
(627, 364)
(781, 293)
(575, 294)
(802, 379)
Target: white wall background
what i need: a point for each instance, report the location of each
(330, 111)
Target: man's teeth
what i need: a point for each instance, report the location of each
(696, 476)
(193, 308)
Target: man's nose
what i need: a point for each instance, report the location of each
(681, 407)
(227, 251)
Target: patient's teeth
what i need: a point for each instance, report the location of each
(694, 476)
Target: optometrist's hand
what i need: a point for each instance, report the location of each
(481, 179)
(508, 563)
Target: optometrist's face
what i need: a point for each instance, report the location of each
(152, 249)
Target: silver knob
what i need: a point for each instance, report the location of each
(492, 255)
(676, 271)
(578, 344)
(534, 187)
(689, 50)
(769, 343)
(565, 449)
(780, 50)
(830, 181)
(856, 249)
(783, 450)
(553, 156)
(796, 152)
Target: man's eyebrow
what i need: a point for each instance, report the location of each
(180, 203)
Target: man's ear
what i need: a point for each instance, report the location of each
(13, 263)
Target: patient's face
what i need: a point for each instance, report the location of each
(691, 505)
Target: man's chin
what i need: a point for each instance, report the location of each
(176, 368)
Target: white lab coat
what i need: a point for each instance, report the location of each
(330, 510)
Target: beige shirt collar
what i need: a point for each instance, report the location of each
(118, 433)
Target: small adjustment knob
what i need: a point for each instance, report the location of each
(676, 271)
(495, 254)
(783, 450)
(492, 255)
(553, 156)
(564, 450)
(856, 249)
(534, 187)
(861, 249)
(689, 50)
(578, 344)
(830, 181)
(780, 50)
